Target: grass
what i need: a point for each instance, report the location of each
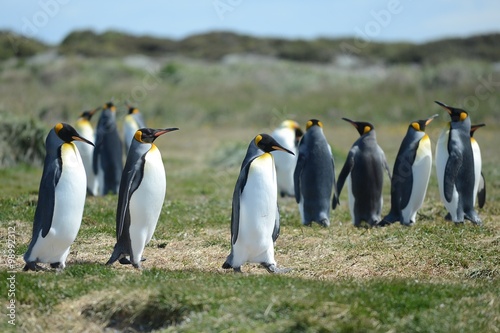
(433, 277)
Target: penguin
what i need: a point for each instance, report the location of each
(364, 172)
(255, 214)
(61, 199)
(141, 196)
(314, 176)
(410, 175)
(107, 160)
(288, 134)
(84, 127)
(455, 167)
(479, 183)
(133, 121)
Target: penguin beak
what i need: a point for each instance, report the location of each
(429, 120)
(99, 108)
(276, 147)
(446, 107)
(157, 133)
(350, 121)
(79, 138)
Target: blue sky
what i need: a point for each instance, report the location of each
(380, 20)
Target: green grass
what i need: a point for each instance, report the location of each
(433, 277)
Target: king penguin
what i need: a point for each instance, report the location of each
(479, 183)
(61, 199)
(410, 175)
(140, 199)
(288, 134)
(255, 213)
(364, 172)
(314, 176)
(133, 121)
(84, 127)
(455, 167)
(107, 161)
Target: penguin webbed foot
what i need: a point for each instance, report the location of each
(387, 220)
(324, 223)
(33, 266)
(272, 268)
(474, 218)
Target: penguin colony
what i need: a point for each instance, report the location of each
(289, 163)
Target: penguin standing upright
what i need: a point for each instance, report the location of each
(314, 176)
(61, 199)
(288, 134)
(107, 162)
(141, 196)
(410, 175)
(84, 127)
(364, 172)
(255, 214)
(455, 167)
(479, 183)
(133, 121)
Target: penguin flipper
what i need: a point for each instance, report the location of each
(296, 175)
(238, 189)
(346, 170)
(45, 207)
(481, 192)
(453, 164)
(276, 231)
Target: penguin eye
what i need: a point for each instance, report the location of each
(463, 116)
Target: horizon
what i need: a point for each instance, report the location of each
(387, 21)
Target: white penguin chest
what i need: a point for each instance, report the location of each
(258, 203)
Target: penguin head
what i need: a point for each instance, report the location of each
(133, 110)
(294, 126)
(67, 133)
(420, 125)
(456, 114)
(89, 113)
(473, 128)
(148, 135)
(362, 126)
(267, 143)
(110, 106)
(313, 122)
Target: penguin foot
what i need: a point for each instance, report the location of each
(474, 218)
(226, 265)
(56, 265)
(324, 223)
(272, 268)
(124, 261)
(33, 266)
(407, 224)
(448, 217)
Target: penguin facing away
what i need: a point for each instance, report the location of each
(479, 183)
(288, 134)
(455, 167)
(255, 213)
(107, 161)
(141, 197)
(364, 172)
(61, 199)
(133, 121)
(84, 127)
(410, 175)
(314, 176)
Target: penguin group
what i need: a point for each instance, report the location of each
(287, 163)
(71, 171)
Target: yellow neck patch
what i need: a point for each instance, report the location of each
(463, 116)
(367, 129)
(416, 126)
(58, 127)
(257, 139)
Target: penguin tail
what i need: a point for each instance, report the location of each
(118, 254)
